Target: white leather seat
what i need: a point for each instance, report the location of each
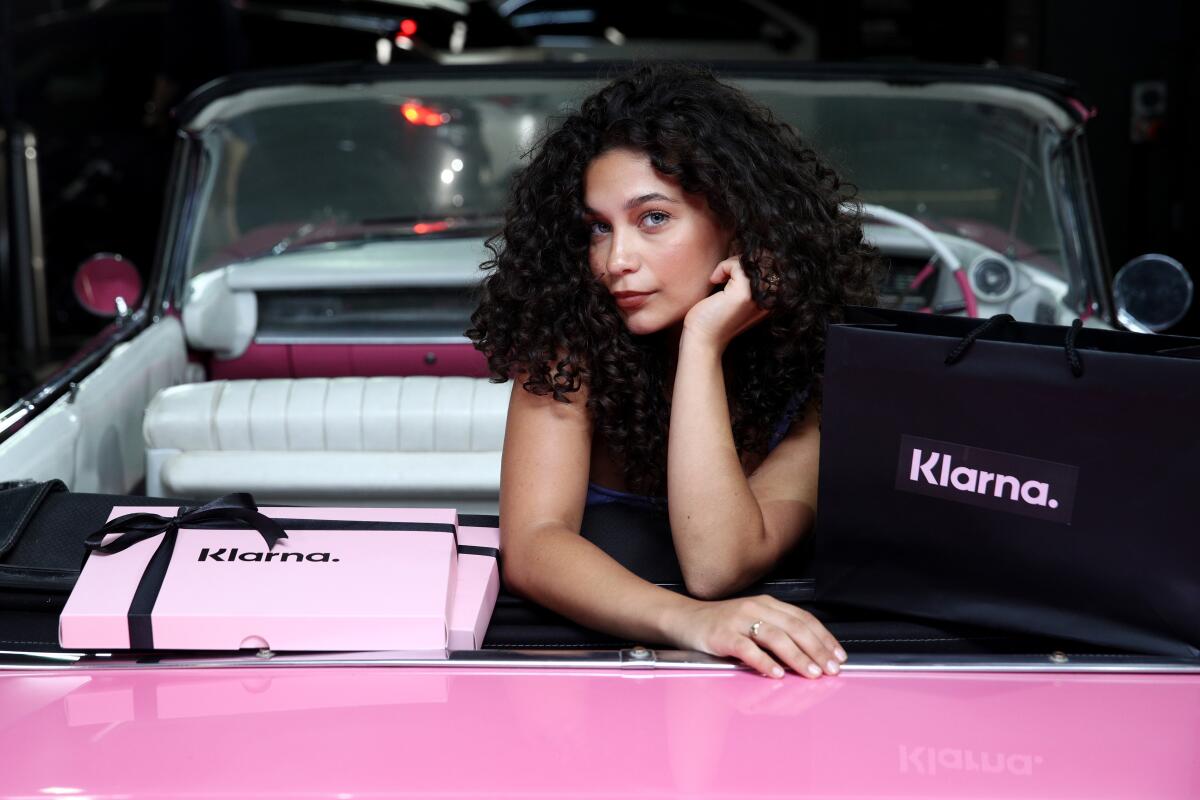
(349, 441)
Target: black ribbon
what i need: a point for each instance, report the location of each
(231, 512)
(226, 510)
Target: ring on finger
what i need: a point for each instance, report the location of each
(755, 628)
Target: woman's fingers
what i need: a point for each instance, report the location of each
(782, 642)
(764, 633)
(810, 642)
(723, 271)
(753, 656)
(827, 639)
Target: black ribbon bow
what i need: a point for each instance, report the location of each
(238, 507)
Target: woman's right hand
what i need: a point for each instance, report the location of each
(791, 635)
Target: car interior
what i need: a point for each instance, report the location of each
(317, 378)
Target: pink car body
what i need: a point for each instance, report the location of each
(521, 731)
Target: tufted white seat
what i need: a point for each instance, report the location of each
(352, 441)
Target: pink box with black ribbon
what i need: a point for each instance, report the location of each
(478, 583)
(227, 575)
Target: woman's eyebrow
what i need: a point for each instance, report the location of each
(634, 202)
(646, 198)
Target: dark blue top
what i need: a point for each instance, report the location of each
(599, 495)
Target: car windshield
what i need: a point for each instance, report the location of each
(299, 166)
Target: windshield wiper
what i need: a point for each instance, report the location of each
(283, 244)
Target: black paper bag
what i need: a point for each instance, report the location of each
(1046, 481)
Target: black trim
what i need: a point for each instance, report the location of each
(479, 520)
(1059, 90)
(475, 550)
(355, 525)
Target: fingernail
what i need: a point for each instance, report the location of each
(777, 672)
(832, 666)
(840, 653)
(814, 670)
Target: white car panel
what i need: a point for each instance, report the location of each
(92, 441)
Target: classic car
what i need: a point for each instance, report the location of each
(301, 339)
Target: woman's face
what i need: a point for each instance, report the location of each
(652, 244)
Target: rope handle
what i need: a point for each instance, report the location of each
(1074, 360)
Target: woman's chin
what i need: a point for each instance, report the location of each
(645, 325)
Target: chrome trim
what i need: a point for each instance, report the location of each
(37, 249)
(628, 659)
(1025, 663)
(1101, 272)
(41, 398)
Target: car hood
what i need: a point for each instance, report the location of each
(502, 732)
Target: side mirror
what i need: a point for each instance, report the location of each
(1152, 293)
(107, 285)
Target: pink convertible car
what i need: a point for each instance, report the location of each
(301, 339)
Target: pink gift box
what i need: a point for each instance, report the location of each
(341, 589)
(478, 581)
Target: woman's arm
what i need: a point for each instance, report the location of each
(728, 529)
(543, 488)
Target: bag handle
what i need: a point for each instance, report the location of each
(1074, 360)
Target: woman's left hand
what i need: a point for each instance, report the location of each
(723, 315)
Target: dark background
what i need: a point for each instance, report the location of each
(79, 75)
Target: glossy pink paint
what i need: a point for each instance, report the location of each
(479, 732)
(358, 360)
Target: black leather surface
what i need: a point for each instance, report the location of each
(46, 531)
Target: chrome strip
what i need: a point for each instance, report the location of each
(37, 250)
(636, 658)
(96, 351)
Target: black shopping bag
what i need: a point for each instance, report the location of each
(1027, 477)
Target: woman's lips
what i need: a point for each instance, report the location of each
(631, 300)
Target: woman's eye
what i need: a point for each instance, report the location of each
(656, 218)
(597, 228)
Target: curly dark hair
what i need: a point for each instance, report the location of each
(544, 316)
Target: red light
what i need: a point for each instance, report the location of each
(430, 227)
(408, 27)
(418, 114)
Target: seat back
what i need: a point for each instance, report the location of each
(341, 441)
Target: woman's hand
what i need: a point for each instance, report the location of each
(723, 315)
(754, 629)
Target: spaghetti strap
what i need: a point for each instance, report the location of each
(794, 407)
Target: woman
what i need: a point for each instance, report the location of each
(669, 259)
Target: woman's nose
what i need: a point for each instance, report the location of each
(622, 259)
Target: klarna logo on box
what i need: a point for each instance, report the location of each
(987, 478)
(225, 554)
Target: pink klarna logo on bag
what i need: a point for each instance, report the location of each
(987, 478)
